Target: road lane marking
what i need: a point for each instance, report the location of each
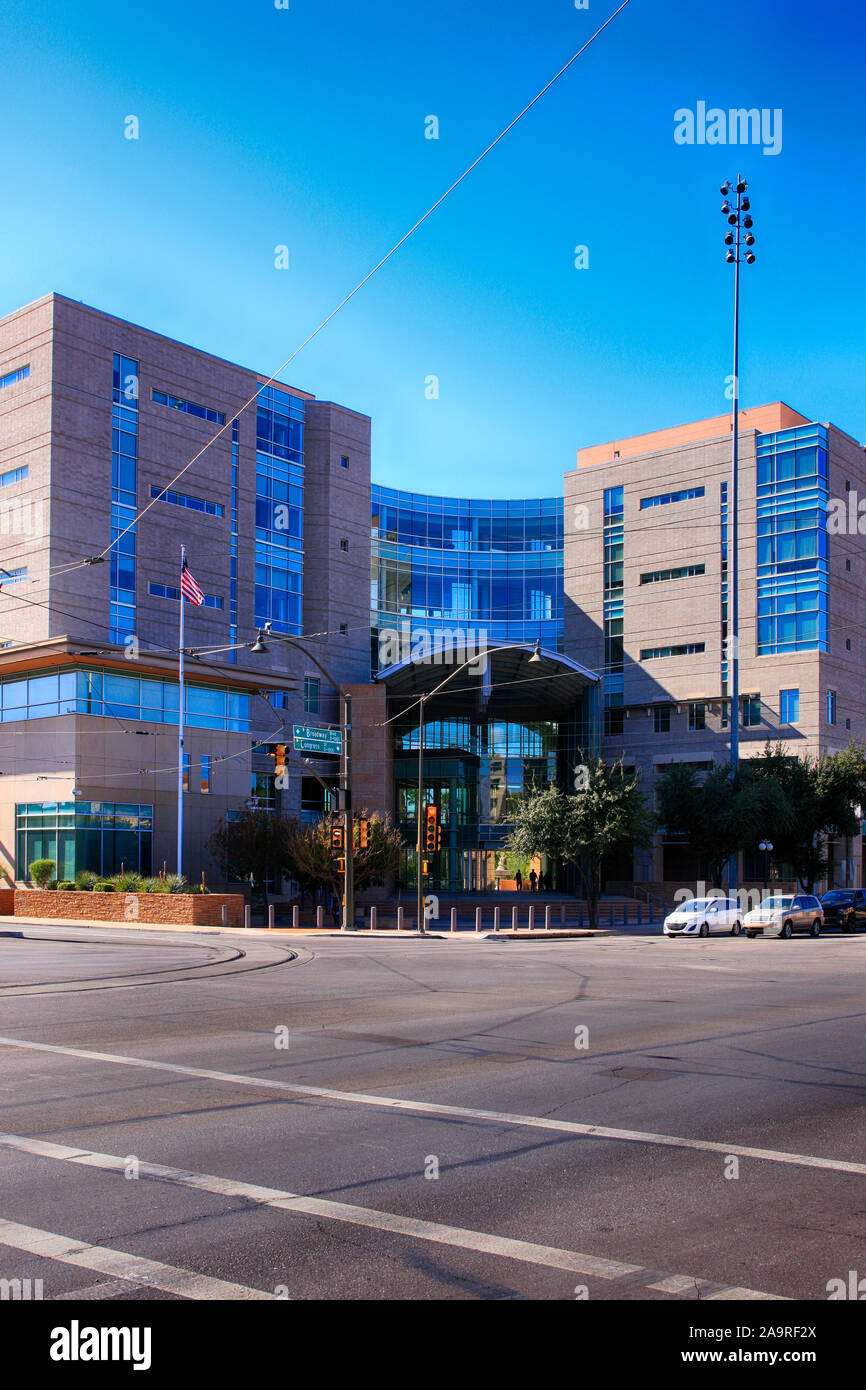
(423, 1107)
(133, 1269)
(482, 1242)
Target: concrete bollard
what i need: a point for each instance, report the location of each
(271, 915)
(562, 914)
(224, 915)
(496, 917)
(373, 915)
(248, 915)
(454, 919)
(478, 919)
(296, 916)
(320, 917)
(399, 919)
(547, 917)
(515, 918)
(532, 916)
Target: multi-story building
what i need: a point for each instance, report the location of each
(533, 630)
(647, 580)
(97, 418)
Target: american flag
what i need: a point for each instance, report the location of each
(188, 587)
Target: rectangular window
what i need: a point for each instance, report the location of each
(344, 543)
(186, 772)
(311, 695)
(662, 719)
(166, 591)
(831, 707)
(681, 649)
(789, 706)
(751, 711)
(19, 374)
(202, 412)
(681, 572)
(182, 499)
(697, 716)
(686, 494)
(614, 721)
(8, 577)
(15, 475)
(344, 462)
(205, 774)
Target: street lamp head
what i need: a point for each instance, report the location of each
(733, 219)
(726, 207)
(730, 258)
(742, 186)
(750, 240)
(729, 238)
(536, 655)
(745, 205)
(747, 222)
(258, 648)
(750, 258)
(725, 189)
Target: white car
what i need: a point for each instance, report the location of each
(701, 916)
(783, 914)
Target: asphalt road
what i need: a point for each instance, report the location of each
(266, 1154)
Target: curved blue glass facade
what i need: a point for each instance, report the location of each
(491, 567)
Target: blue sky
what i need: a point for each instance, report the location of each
(262, 127)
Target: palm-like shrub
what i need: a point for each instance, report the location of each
(152, 885)
(85, 879)
(176, 883)
(126, 882)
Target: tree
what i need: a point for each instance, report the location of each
(819, 801)
(580, 829)
(254, 845)
(718, 816)
(315, 864)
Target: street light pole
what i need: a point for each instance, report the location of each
(348, 923)
(738, 239)
(767, 847)
(513, 646)
(419, 817)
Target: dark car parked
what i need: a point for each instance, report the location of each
(845, 908)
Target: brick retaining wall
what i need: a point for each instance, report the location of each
(183, 909)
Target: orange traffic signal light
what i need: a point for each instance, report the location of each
(363, 833)
(433, 832)
(338, 837)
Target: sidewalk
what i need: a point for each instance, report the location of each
(12, 924)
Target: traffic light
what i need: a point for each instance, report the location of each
(363, 833)
(338, 837)
(425, 866)
(280, 756)
(433, 835)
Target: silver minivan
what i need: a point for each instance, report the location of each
(703, 916)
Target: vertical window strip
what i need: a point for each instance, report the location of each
(124, 487)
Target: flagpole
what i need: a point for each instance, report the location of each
(180, 723)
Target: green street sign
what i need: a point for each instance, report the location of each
(311, 738)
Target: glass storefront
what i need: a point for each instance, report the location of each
(97, 835)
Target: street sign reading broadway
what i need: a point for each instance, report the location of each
(310, 738)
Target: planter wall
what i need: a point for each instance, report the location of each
(182, 909)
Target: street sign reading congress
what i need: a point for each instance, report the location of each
(309, 738)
